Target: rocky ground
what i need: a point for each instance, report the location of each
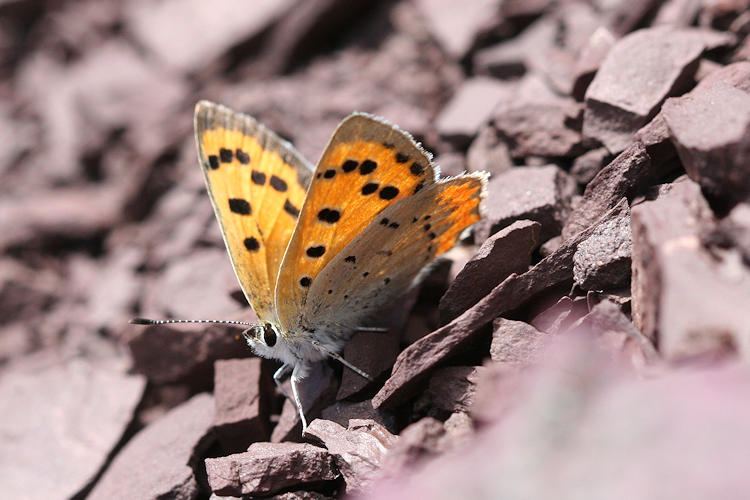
(589, 340)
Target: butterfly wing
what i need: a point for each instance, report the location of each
(367, 166)
(250, 171)
(381, 263)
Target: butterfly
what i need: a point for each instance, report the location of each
(318, 250)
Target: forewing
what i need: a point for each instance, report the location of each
(381, 263)
(368, 166)
(257, 184)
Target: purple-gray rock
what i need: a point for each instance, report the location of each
(358, 450)
(541, 194)
(515, 342)
(505, 252)
(602, 261)
(638, 74)
(710, 127)
(243, 391)
(61, 419)
(156, 462)
(689, 300)
(267, 468)
(623, 177)
(417, 361)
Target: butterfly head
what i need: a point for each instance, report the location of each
(267, 341)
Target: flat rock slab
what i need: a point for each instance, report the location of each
(60, 421)
(710, 128)
(168, 354)
(505, 252)
(690, 300)
(451, 390)
(470, 107)
(266, 468)
(169, 29)
(243, 391)
(417, 361)
(156, 462)
(456, 27)
(541, 194)
(358, 450)
(617, 334)
(602, 262)
(626, 175)
(515, 342)
(638, 74)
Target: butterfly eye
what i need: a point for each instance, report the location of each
(269, 336)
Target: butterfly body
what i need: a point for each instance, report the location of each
(319, 251)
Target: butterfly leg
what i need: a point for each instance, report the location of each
(294, 381)
(279, 376)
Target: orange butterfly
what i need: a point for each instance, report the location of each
(316, 252)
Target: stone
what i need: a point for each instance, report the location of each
(450, 390)
(505, 252)
(359, 450)
(541, 194)
(710, 128)
(417, 361)
(488, 152)
(625, 176)
(180, 291)
(733, 231)
(267, 468)
(62, 418)
(638, 74)
(602, 261)
(589, 59)
(515, 342)
(243, 392)
(167, 354)
(169, 29)
(586, 166)
(617, 334)
(157, 462)
(371, 352)
(546, 129)
(690, 415)
(316, 391)
(689, 300)
(456, 27)
(471, 107)
(343, 412)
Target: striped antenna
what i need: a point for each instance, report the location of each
(144, 321)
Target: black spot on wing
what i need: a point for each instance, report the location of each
(351, 258)
(226, 155)
(213, 162)
(278, 184)
(242, 157)
(330, 173)
(367, 167)
(329, 215)
(291, 209)
(370, 188)
(251, 244)
(258, 178)
(416, 168)
(349, 165)
(305, 281)
(239, 206)
(401, 158)
(315, 251)
(388, 192)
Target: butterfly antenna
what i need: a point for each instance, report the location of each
(145, 321)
